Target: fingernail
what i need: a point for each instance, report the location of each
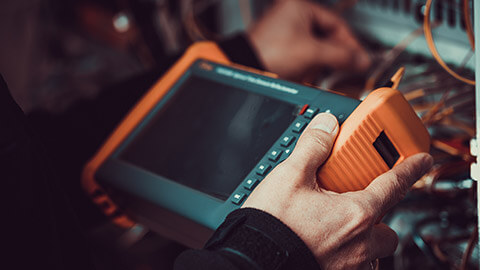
(427, 162)
(325, 122)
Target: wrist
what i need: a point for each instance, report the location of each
(263, 239)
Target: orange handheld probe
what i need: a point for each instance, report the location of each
(380, 133)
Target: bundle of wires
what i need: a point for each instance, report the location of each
(445, 101)
(431, 44)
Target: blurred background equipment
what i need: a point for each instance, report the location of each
(437, 222)
(57, 52)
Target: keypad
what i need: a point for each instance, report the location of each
(278, 153)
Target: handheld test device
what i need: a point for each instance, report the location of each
(203, 137)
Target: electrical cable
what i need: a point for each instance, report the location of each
(453, 151)
(449, 122)
(420, 92)
(427, 29)
(423, 245)
(469, 250)
(442, 100)
(435, 109)
(468, 23)
(437, 251)
(425, 89)
(390, 56)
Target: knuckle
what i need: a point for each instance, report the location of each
(320, 139)
(393, 189)
(399, 187)
(293, 170)
(361, 214)
(359, 254)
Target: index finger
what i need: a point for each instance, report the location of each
(390, 188)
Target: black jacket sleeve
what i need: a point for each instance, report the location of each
(39, 229)
(250, 239)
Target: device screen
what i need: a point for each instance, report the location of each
(209, 136)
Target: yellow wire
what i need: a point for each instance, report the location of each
(427, 28)
(468, 23)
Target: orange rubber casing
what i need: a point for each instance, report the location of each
(201, 50)
(354, 162)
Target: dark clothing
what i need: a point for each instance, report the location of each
(250, 239)
(39, 228)
(42, 158)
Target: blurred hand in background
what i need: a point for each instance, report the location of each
(297, 39)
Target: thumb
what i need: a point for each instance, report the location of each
(315, 143)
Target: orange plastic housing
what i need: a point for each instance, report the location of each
(201, 50)
(354, 162)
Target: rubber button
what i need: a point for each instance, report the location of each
(251, 183)
(310, 113)
(298, 126)
(287, 140)
(274, 154)
(263, 169)
(237, 198)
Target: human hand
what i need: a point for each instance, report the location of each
(287, 44)
(339, 228)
